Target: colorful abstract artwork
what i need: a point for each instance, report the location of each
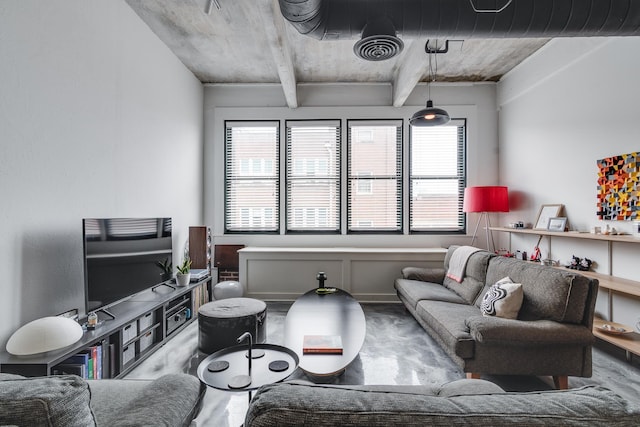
(618, 187)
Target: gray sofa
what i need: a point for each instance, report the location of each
(464, 402)
(552, 334)
(69, 401)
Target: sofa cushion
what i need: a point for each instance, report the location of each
(448, 321)
(414, 291)
(171, 400)
(290, 404)
(52, 401)
(509, 332)
(468, 386)
(503, 299)
(434, 275)
(549, 293)
(474, 277)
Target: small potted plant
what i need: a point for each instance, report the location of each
(167, 269)
(184, 272)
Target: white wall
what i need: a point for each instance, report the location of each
(98, 119)
(575, 101)
(476, 102)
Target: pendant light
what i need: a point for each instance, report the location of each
(430, 116)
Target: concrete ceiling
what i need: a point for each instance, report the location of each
(248, 41)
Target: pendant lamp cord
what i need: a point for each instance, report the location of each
(432, 72)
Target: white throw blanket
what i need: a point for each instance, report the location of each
(458, 262)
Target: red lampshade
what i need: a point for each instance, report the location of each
(486, 199)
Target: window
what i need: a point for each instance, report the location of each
(437, 177)
(251, 176)
(375, 175)
(382, 194)
(313, 175)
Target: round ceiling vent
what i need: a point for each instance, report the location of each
(379, 41)
(378, 47)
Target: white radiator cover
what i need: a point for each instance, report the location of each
(285, 273)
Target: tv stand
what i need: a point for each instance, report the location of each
(138, 327)
(105, 311)
(162, 284)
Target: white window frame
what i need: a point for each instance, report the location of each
(313, 163)
(247, 211)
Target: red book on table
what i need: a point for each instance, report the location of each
(322, 344)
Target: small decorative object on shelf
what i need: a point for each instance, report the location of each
(321, 290)
(321, 277)
(545, 214)
(613, 329)
(580, 264)
(505, 253)
(92, 321)
(183, 276)
(536, 255)
(166, 267)
(558, 224)
(521, 255)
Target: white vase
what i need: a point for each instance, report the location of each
(183, 279)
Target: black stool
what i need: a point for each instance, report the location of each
(221, 322)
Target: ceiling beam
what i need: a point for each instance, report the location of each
(409, 71)
(276, 36)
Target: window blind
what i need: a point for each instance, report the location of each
(313, 175)
(252, 190)
(437, 177)
(374, 176)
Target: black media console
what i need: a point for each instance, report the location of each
(142, 324)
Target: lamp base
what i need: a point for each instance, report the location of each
(487, 224)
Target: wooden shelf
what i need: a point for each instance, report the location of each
(616, 284)
(629, 342)
(571, 234)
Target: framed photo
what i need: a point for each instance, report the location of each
(557, 224)
(545, 214)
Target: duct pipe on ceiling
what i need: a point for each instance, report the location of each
(345, 19)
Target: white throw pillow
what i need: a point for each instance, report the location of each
(503, 299)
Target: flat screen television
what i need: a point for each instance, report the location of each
(121, 257)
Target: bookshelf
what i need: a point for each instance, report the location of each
(628, 342)
(142, 324)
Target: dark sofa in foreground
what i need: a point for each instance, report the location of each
(465, 402)
(552, 334)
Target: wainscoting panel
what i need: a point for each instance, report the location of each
(272, 273)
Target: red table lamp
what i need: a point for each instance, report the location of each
(484, 200)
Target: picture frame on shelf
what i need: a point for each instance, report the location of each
(557, 224)
(545, 213)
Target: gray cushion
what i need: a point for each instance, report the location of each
(475, 275)
(549, 293)
(508, 332)
(45, 401)
(288, 404)
(108, 397)
(448, 321)
(434, 275)
(171, 400)
(467, 387)
(413, 291)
